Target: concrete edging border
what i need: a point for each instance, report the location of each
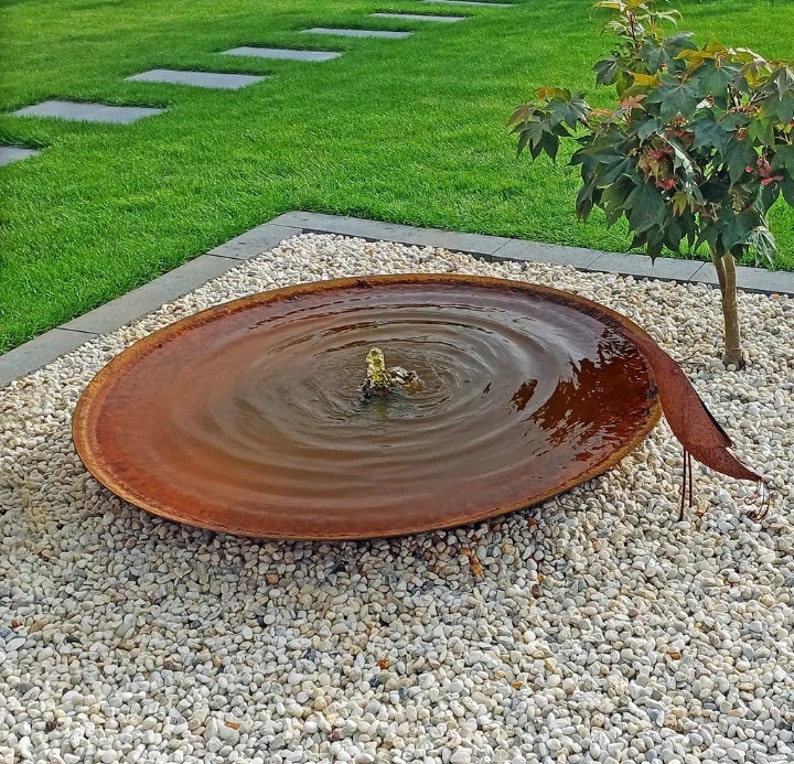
(193, 274)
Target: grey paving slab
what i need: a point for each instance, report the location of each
(10, 154)
(254, 242)
(350, 226)
(215, 80)
(531, 251)
(39, 352)
(297, 218)
(358, 33)
(473, 243)
(751, 279)
(151, 296)
(665, 268)
(283, 53)
(88, 112)
(470, 2)
(419, 17)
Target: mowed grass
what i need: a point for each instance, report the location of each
(410, 131)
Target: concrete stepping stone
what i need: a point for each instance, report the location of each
(88, 112)
(470, 2)
(418, 17)
(283, 53)
(358, 33)
(219, 80)
(10, 154)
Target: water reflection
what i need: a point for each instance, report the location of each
(522, 396)
(584, 403)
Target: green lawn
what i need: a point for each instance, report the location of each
(410, 131)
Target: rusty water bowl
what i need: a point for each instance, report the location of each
(248, 417)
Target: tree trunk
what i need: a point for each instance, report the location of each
(726, 274)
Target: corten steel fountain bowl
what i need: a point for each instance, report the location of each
(249, 418)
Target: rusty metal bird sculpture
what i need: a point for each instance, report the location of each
(693, 424)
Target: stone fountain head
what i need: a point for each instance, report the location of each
(381, 380)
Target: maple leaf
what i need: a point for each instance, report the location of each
(632, 102)
(680, 203)
(645, 80)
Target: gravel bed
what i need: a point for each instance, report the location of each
(593, 628)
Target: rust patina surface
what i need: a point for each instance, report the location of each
(249, 417)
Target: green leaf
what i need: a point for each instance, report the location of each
(548, 143)
(584, 201)
(598, 154)
(621, 166)
(780, 108)
(614, 196)
(769, 194)
(734, 120)
(762, 245)
(654, 56)
(709, 134)
(647, 208)
(606, 70)
(787, 187)
(674, 98)
(523, 140)
(530, 133)
(783, 158)
(681, 203)
(568, 111)
(652, 240)
(714, 80)
(615, 5)
(643, 80)
(739, 155)
(784, 79)
(710, 234)
(674, 44)
(648, 127)
(761, 131)
(673, 233)
(623, 82)
(736, 229)
(715, 189)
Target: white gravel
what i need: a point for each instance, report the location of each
(599, 628)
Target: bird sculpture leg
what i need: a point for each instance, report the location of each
(762, 497)
(686, 484)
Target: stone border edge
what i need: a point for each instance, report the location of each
(46, 348)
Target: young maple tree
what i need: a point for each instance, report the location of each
(698, 147)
